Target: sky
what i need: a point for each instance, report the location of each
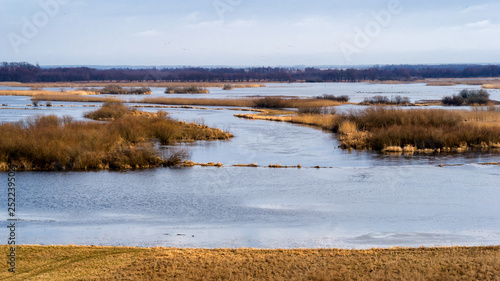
(249, 32)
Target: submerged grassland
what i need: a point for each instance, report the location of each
(128, 263)
(126, 141)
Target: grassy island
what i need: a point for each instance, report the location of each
(127, 140)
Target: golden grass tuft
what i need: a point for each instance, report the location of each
(253, 165)
(491, 86)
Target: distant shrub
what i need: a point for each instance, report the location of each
(228, 87)
(316, 110)
(342, 98)
(140, 91)
(118, 90)
(193, 89)
(272, 102)
(384, 100)
(467, 97)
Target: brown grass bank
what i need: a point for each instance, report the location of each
(52, 143)
(128, 263)
(36, 93)
(195, 101)
(72, 98)
(268, 102)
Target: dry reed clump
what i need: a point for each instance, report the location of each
(109, 111)
(343, 98)
(119, 90)
(227, 87)
(52, 143)
(428, 129)
(272, 102)
(132, 263)
(316, 110)
(192, 89)
(188, 163)
(350, 137)
(253, 165)
(324, 121)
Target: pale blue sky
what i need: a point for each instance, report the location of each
(249, 32)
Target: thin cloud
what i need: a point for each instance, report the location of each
(149, 33)
(483, 23)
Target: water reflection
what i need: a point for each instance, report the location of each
(265, 208)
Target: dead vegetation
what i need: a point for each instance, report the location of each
(126, 142)
(130, 263)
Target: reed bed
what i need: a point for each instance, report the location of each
(438, 130)
(133, 263)
(52, 143)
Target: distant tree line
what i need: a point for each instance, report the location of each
(25, 72)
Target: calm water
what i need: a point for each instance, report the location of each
(356, 91)
(362, 200)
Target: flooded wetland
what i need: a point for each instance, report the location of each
(338, 198)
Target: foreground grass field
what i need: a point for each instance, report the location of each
(126, 263)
